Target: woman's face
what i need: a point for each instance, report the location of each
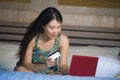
(52, 29)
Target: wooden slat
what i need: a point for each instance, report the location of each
(14, 24)
(91, 29)
(94, 35)
(94, 42)
(12, 30)
(11, 37)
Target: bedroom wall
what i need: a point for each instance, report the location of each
(11, 11)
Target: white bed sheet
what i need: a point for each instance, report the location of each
(109, 61)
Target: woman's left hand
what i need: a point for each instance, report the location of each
(50, 62)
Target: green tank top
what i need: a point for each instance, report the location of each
(39, 57)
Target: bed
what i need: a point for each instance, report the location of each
(103, 43)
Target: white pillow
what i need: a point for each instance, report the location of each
(109, 62)
(93, 51)
(108, 67)
(8, 56)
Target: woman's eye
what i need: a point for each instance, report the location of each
(51, 27)
(59, 27)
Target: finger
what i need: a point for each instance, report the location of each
(48, 63)
(53, 63)
(49, 58)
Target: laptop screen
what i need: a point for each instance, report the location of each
(83, 65)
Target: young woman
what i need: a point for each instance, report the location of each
(42, 38)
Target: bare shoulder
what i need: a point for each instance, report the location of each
(64, 39)
(32, 43)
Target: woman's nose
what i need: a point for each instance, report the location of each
(55, 31)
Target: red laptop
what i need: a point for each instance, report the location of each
(83, 65)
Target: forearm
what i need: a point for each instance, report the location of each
(64, 69)
(35, 67)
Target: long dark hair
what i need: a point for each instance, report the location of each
(36, 27)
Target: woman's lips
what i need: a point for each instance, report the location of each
(53, 35)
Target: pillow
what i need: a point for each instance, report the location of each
(8, 56)
(93, 51)
(109, 62)
(108, 67)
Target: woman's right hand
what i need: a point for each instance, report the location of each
(50, 62)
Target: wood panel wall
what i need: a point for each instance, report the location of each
(23, 1)
(91, 3)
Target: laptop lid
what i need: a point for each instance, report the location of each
(83, 65)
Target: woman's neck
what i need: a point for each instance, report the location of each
(44, 38)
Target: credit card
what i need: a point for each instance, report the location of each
(54, 55)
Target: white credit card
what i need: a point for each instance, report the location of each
(54, 55)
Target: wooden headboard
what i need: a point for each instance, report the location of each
(13, 32)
